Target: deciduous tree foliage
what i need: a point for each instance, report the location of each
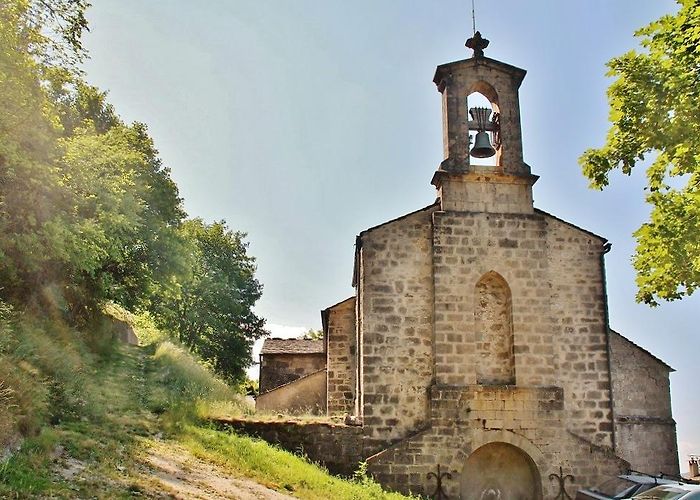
(31, 220)
(212, 311)
(312, 334)
(655, 113)
(88, 212)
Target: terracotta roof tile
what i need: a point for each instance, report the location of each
(292, 346)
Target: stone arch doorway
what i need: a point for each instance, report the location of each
(500, 471)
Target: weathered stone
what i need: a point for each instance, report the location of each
(479, 329)
(337, 447)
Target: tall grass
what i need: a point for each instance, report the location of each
(45, 369)
(84, 393)
(278, 469)
(79, 394)
(188, 389)
(24, 399)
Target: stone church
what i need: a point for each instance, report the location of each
(478, 337)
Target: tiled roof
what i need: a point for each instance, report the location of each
(292, 346)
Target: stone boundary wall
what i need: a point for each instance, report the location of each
(122, 331)
(337, 447)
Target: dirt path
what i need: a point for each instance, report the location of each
(122, 451)
(177, 472)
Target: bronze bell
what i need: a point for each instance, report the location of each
(482, 146)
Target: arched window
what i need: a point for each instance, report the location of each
(493, 323)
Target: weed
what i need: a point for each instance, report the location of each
(274, 467)
(29, 471)
(360, 475)
(109, 404)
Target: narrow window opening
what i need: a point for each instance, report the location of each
(495, 364)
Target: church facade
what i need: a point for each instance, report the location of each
(478, 337)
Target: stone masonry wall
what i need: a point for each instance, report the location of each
(460, 79)
(337, 447)
(484, 191)
(466, 247)
(303, 395)
(579, 326)
(280, 369)
(465, 418)
(341, 357)
(645, 429)
(397, 310)
(556, 281)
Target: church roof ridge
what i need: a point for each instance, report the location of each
(434, 204)
(276, 345)
(292, 381)
(358, 238)
(352, 297)
(542, 212)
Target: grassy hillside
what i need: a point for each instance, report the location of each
(83, 417)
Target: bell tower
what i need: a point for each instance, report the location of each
(471, 132)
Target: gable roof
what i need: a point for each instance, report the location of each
(358, 238)
(338, 304)
(326, 312)
(517, 73)
(292, 346)
(574, 226)
(658, 360)
(295, 381)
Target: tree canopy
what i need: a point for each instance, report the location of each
(88, 211)
(211, 310)
(655, 114)
(312, 334)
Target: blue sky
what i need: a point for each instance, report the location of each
(304, 122)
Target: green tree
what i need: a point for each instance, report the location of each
(312, 334)
(54, 30)
(87, 210)
(655, 112)
(31, 220)
(89, 213)
(124, 217)
(212, 312)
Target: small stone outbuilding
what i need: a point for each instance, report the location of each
(478, 337)
(292, 376)
(285, 360)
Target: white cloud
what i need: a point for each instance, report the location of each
(276, 331)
